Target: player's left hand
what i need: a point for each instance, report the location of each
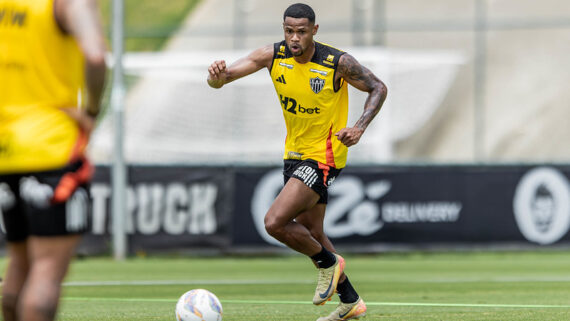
(349, 136)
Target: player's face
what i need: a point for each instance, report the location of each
(299, 34)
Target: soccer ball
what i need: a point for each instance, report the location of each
(198, 305)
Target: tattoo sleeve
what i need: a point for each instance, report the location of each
(363, 79)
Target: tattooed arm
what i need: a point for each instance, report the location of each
(363, 79)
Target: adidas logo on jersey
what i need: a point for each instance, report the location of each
(281, 79)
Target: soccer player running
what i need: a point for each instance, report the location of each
(311, 83)
(52, 71)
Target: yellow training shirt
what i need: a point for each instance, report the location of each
(41, 71)
(314, 111)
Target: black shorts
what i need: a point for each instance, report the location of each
(315, 175)
(50, 203)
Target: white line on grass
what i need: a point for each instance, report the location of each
(184, 282)
(506, 279)
(500, 279)
(416, 304)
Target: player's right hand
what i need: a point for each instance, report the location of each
(217, 73)
(85, 122)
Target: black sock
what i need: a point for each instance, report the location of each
(325, 258)
(346, 292)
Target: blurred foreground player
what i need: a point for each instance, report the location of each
(311, 83)
(52, 72)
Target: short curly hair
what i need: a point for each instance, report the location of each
(300, 10)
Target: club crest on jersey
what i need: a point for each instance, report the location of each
(317, 84)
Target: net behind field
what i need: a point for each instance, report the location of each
(173, 116)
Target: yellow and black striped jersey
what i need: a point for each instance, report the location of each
(41, 71)
(313, 110)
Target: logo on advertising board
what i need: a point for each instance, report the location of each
(171, 207)
(542, 205)
(355, 207)
(174, 208)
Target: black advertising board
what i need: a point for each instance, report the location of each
(168, 208)
(173, 208)
(420, 206)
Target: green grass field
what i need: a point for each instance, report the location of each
(452, 286)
